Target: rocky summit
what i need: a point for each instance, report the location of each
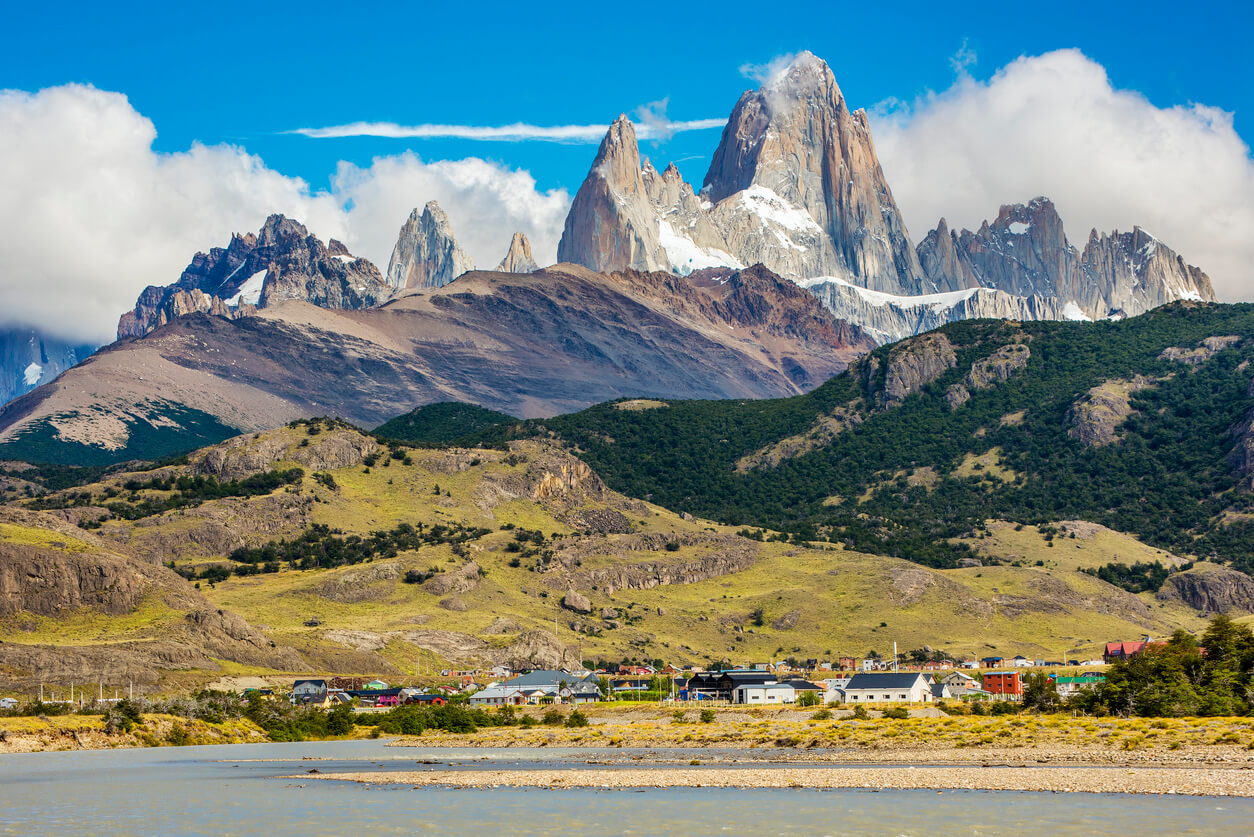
(795, 184)
(282, 262)
(426, 254)
(518, 259)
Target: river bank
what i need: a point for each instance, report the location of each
(37, 734)
(1184, 781)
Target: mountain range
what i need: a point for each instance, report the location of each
(790, 261)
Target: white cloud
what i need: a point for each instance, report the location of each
(486, 204)
(1054, 125)
(517, 132)
(91, 214)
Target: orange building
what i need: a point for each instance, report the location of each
(1003, 683)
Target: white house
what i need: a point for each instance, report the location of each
(764, 693)
(498, 696)
(888, 687)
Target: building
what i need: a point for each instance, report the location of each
(990, 662)
(847, 663)
(1021, 661)
(1069, 686)
(1123, 650)
(803, 686)
(761, 694)
(888, 687)
(719, 685)
(1006, 684)
(309, 692)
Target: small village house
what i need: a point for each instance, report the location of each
(1005, 684)
(888, 687)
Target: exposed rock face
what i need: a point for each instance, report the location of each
(1096, 417)
(29, 359)
(788, 621)
(998, 366)
(426, 254)
(244, 456)
(1025, 252)
(1195, 357)
(461, 580)
(518, 259)
(612, 224)
(1211, 588)
(911, 366)
(825, 428)
(796, 137)
(284, 261)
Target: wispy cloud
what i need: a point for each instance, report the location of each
(517, 132)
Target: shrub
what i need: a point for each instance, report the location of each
(897, 713)
(553, 718)
(822, 715)
(707, 716)
(577, 719)
(859, 712)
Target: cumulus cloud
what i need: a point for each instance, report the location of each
(91, 214)
(1054, 125)
(486, 203)
(517, 132)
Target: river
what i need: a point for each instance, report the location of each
(238, 789)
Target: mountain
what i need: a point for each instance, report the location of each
(28, 358)
(1142, 425)
(1025, 252)
(518, 259)
(426, 254)
(795, 184)
(525, 344)
(372, 555)
(282, 262)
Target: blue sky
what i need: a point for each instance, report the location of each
(229, 72)
(1123, 115)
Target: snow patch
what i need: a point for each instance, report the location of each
(1189, 294)
(249, 293)
(31, 374)
(1071, 311)
(684, 254)
(345, 259)
(948, 299)
(769, 206)
(1017, 228)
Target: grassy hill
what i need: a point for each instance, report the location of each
(418, 559)
(1136, 425)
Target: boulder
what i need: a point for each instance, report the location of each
(577, 602)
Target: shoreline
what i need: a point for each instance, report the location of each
(1221, 782)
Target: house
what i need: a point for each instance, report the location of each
(376, 686)
(888, 687)
(8, 703)
(1068, 686)
(1006, 684)
(1021, 661)
(583, 692)
(938, 665)
(847, 663)
(498, 696)
(960, 684)
(990, 662)
(719, 685)
(427, 700)
(764, 693)
(970, 664)
(940, 691)
(801, 687)
(309, 692)
(1123, 650)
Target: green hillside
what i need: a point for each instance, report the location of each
(910, 479)
(441, 424)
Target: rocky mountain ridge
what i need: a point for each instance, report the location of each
(795, 184)
(526, 344)
(29, 359)
(282, 262)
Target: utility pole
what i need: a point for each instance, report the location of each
(894, 657)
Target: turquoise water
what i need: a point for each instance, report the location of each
(235, 790)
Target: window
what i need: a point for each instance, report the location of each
(903, 697)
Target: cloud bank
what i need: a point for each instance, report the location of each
(517, 132)
(92, 214)
(1054, 125)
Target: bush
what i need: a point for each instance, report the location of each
(707, 716)
(553, 718)
(577, 719)
(859, 712)
(897, 713)
(822, 715)
(809, 699)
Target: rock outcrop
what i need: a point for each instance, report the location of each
(518, 259)
(997, 367)
(1201, 353)
(1211, 589)
(577, 602)
(426, 254)
(909, 367)
(1095, 418)
(282, 262)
